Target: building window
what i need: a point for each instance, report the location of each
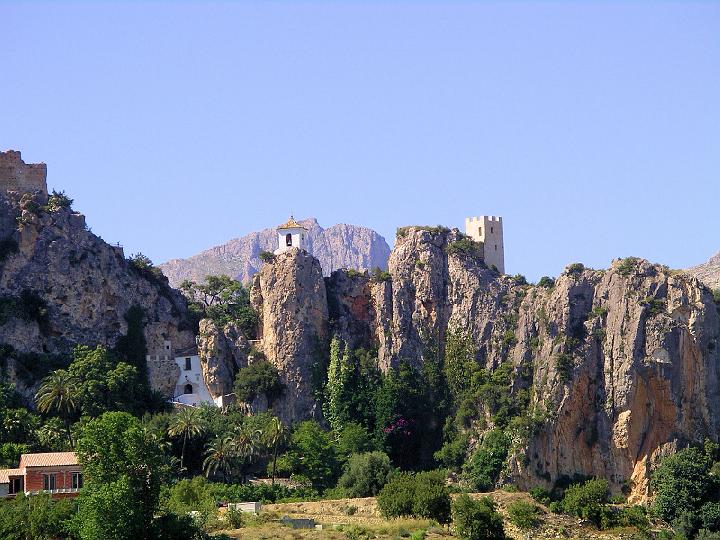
(188, 389)
(479, 231)
(495, 247)
(492, 230)
(16, 485)
(288, 240)
(188, 364)
(48, 482)
(77, 480)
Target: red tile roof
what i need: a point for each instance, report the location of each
(48, 459)
(5, 474)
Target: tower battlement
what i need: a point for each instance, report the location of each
(16, 175)
(488, 230)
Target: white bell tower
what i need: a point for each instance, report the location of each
(290, 235)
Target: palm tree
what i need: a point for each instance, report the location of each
(274, 435)
(189, 423)
(247, 443)
(58, 393)
(219, 456)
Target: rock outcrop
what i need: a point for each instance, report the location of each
(623, 363)
(222, 352)
(61, 285)
(339, 246)
(709, 272)
(290, 297)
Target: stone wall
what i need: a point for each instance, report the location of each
(16, 175)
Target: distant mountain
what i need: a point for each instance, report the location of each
(339, 246)
(709, 272)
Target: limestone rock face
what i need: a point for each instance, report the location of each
(87, 287)
(350, 308)
(339, 246)
(290, 298)
(709, 272)
(623, 363)
(222, 353)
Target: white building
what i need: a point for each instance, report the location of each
(290, 234)
(488, 230)
(190, 388)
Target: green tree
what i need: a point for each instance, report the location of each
(223, 300)
(260, 377)
(36, 517)
(123, 466)
(484, 466)
(188, 424)
(312, 454)
(59, 394)
(682, 483)
(587, 500)
(477, 520)
(335, 405)
(365, 474)
(220, 455)
(275, 435)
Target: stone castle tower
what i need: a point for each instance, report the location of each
(488, 231)
(16, 175)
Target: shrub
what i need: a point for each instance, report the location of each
(519, 279)
(587, 500)
(546, 282)
(267, 256)
(564, 365)
(378, 275)
(57, 201)
(422, 495)
(464, 246)
(258, 378)
(396, 497)
(541, 495)
(477, 520)
(655, 306)
(234, 518)
(716, 295)
(628, 266)
(524, 515)
(575, 269)
(365, 474)
(682, 482)
(633, 516)
(485, 464)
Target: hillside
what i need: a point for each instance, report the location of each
(339, 246)
(709, 272)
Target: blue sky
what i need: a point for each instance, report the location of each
(592, 128)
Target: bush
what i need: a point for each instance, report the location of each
(575, 269)
(365, 474)
(546, 282)
(35, 517)
(57, 201)
(564, 364)
(422, 495)
(378, 275)
(234, 518)
(541, 495)
(465, 246)
(267, 256)
(485, 464)
(477, 520)
(258, 377)
(524, 515)
(682, 483)
(587, 500)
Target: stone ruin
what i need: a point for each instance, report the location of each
(16, 175)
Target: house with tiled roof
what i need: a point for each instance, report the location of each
(57, 473)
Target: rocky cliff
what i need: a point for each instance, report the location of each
(61, 285)
(709, 272)
(340, 246)
(622, 363)
(290, 296)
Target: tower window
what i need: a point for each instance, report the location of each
(188, 364)
(188, 389)
(479, 231)
(288, 240)
(492, 230)
(495, 247)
